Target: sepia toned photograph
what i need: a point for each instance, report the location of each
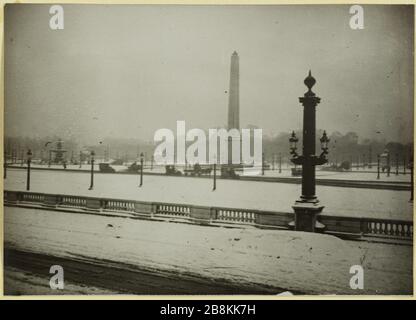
(208, 150)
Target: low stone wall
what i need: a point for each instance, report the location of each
(270, 219)
(94, 204)
(51, 200)
(146, 208)
(201, 215)
(342, 224)
(348, 227)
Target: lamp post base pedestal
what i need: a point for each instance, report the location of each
(306, 216)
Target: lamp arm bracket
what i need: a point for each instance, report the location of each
(299, 160)
(321, 159)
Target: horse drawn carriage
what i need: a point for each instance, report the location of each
(198, 170)
(172, 171)
(106, 168)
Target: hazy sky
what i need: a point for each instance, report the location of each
(126, 71)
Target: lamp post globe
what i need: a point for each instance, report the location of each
(324, 142)
(293, 140)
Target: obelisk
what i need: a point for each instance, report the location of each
(233, 103)
(234, 94)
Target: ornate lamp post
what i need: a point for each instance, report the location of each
(307, 207)
(141, 168)
(92, 170)
(29, 160)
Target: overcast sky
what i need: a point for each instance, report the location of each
(126, 71)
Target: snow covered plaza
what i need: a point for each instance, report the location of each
(102, 197)
(242, 258)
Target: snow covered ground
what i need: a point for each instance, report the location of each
(230, 193)
(19, 282)
(361, 174)
(296, 261)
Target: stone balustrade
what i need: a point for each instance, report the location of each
(346, 227)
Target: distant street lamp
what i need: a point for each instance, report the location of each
(29, 160)
(141, 168)
(214, 187)
(378, 166)
(307, 207)
(92, 170)
(280, 162)
(262, 164)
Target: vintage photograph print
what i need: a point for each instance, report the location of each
(208, 149)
